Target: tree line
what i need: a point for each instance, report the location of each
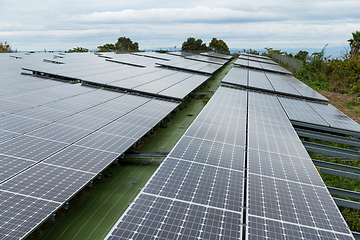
(125, 44)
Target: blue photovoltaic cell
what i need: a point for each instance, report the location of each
(9, 166)
(335, 117)
(20, 215)
(204, 171)
(197, 183)
(152, 217)
(284, 191)
(299, 110)
(48, 182)
(237, 76)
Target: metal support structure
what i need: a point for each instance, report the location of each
(90, 183)
(66, 206)
(347, 203)
(327, 137)
(356, 235)
(331, 151)
(52, 217)
(329, 129)
(344, 193)
(99, 176)
(339, 173)
(336, 166)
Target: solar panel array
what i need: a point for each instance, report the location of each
(257, 59)
(286, 197)
(197, 190)
(260, 63)
(136, 72)
(317, 114)
(217, 55)
(271, 82)
(240, 162)
(56, 137)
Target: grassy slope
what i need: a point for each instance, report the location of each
(96, 211)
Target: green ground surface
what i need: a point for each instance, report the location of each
(97, 209)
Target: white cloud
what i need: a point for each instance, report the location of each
(66, 24)
(171, 15)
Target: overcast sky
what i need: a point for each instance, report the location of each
(63, 24)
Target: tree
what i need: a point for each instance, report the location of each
(77, 49)
(219, 46)
(5, 48)
(302, 55)
(126, 45)
(194, 45)
(355, 43)
(108, 47)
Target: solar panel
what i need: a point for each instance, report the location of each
(204, 172)
(280, 85)
(10, 166)
(299, 110)
(304, 89)
(106, 142)
(237, 76)
(258, 79)
(335, 117)
(208, 59)
(284, 189)
(185, 87)
(20, 215)
(48, 182)
(162, 218)
(5, 135)
(60, 133)
(30, 147)
(270, 82)
(81, 158)
(261, 65)
(217, 55)
(9, 107)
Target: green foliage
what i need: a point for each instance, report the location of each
(161, 51)
(108, 47)
(194, 45)
(352, 218)
(314, 73)
(270, 50)
(355, 43)
(302, 55)
(353, 102)
(219, 46)
(5, 47)
(125, 44)
(77, 49)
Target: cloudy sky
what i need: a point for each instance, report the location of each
(63, 24)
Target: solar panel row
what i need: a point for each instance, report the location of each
(317, 114)
(257, 59)
(261, 65)
(271, 82)
(133, 72)
(56, 137)
(285, 196)
(284, 188)
(197, 191)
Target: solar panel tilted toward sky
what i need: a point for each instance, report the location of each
(55, 137)
(240, 162)
(240, 172)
